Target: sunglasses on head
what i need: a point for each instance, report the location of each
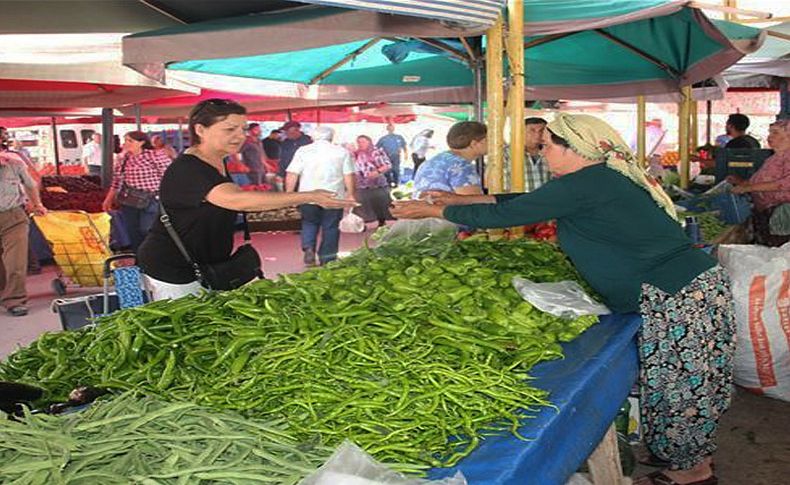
(211, 102)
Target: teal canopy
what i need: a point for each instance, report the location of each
(592, 49)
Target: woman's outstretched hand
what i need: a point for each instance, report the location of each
(415, 209)
(329, 200)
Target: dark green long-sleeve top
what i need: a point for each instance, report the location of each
(611, 229)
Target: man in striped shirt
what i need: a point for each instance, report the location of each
(536, 170)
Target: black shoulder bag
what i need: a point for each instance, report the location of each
(243, 266)
(131, 197)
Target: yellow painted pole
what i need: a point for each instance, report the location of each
(495, 99)
(515, 103)
(683, 135)
(641, 132)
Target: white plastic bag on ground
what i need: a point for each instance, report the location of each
(350, 465)
(761, 290)
(565, 299)
(352, 223)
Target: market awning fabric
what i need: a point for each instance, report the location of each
(631, 52)
(588, 387)
(484, 12)
(274, 32)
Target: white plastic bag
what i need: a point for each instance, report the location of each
(350, 465)
(352, 223)
(565, 299)
(761, 291)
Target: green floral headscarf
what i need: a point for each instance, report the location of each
(594, 139)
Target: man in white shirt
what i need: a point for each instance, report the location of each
(321, 165)
(91, 155)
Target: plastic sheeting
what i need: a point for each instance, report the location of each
(588, 387)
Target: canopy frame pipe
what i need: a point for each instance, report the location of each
(644, 55)
(445, 48)
(342, 62)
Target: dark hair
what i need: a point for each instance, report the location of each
(212, 111)
(558, 140)
(738, 121)
(116, 144)
(369, 139)
(252, 126)
(534, 120)
(140, 136)
(275, 131)
(462, 134)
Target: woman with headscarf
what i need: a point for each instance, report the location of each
(620, 230)
(372, 187)
(770, 186)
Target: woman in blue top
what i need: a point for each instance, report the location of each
(455, 170)
(620, 230)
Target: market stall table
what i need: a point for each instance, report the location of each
(588, 388)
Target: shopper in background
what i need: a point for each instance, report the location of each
(393, 145)
(203, 203)
(18, 192)
(736, 126)
(252, 154)
(620, 230)
(135, 185)
(271, 150)
(326, 166)
(294, 138)
(92, 155)
(536, 170)
(160, 146)
(420, 145)
(770, 186)
(372, 165)
(455, 170)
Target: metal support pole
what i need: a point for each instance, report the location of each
(180, 136)
(708, 120)
(515, 105)
(478, 110)
(641, 132)
(55, 145)
(495, 99)
(694, 131)
(107, 146)
(138, 116)
(784, 100)
(683, 135)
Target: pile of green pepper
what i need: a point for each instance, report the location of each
(413, 356)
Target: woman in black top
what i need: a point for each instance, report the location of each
(203, 202)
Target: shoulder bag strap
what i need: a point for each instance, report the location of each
(179, 244)
(244, 225)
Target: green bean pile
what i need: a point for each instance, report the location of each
(142, 440)
(399, 354)
(710, 225)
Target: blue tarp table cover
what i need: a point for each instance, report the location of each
(588, 387)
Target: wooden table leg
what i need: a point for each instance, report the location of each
(604, 462)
